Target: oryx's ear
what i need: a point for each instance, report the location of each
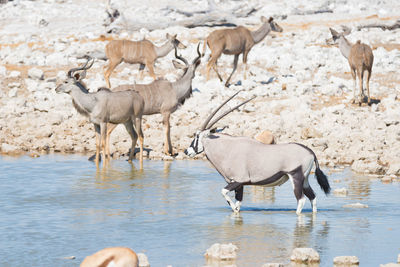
(168, 36)
(178, 65)
(174, 36)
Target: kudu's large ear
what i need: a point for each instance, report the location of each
(346, 30)
(334, 33)
(178, 65)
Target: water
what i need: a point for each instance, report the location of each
(57, 206)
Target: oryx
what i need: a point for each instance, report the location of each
(246, 161)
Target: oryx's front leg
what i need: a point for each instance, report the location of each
(238, 187)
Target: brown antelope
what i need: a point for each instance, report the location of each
(235, 42)
(164, 97)
(360, 59)
(142, 52)
(104, 107)
(116, 257)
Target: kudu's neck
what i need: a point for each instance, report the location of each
(259, 34)
(184, 84)
(344, 46)
(163, 50)
(83, 101)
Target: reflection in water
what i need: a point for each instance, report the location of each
(359, 188)
(261, 194)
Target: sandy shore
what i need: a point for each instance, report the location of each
(303, 84)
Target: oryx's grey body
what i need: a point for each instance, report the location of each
(246, 161)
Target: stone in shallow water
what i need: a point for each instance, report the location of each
(305, 255)
(346, 260)
(143, 261)
(223, 252)
(273, 265)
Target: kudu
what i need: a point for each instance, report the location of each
(164, 97)
(115, 256)
(142, 52)
(360, 59)
(235, 42)
(103, 107)
(246, 161)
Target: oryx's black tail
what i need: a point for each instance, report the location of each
(321, 177)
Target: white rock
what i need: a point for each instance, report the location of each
(390, 265)
(14, 74)
(304, 255)
(36, 74)
(273, 265)
(143, 260)
(13, 92)
(224, 252)
(346, 260)
(3, 71)
(7, 148)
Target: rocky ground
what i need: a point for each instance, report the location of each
(302, 82)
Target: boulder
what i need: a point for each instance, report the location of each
(36, 74)
(305, 255)
(346, 260)
(222, 252)
(265, 137)
(9, 149)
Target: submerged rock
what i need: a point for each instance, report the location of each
(143, 260)
(346, 261)
(305, 255)
(223, 252)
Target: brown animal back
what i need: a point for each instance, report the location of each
(130, 51)
(233, 40)
(361, 56)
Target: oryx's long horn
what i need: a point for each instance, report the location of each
(227, 112)
(180, 58)
(204, 126)
(198, 54)
(84, 67)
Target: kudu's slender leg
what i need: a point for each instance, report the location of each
(368, 77)
(360, 85)
(109, 70)
(150, 66)
(238, 187)
(103, 133)
(138, 129)
(130, 129)
(141, 70)
(235, 61)
(97, 130)
(212, 63)
(245, 53)
(167, 132)
(110, 128)
(353, 74)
